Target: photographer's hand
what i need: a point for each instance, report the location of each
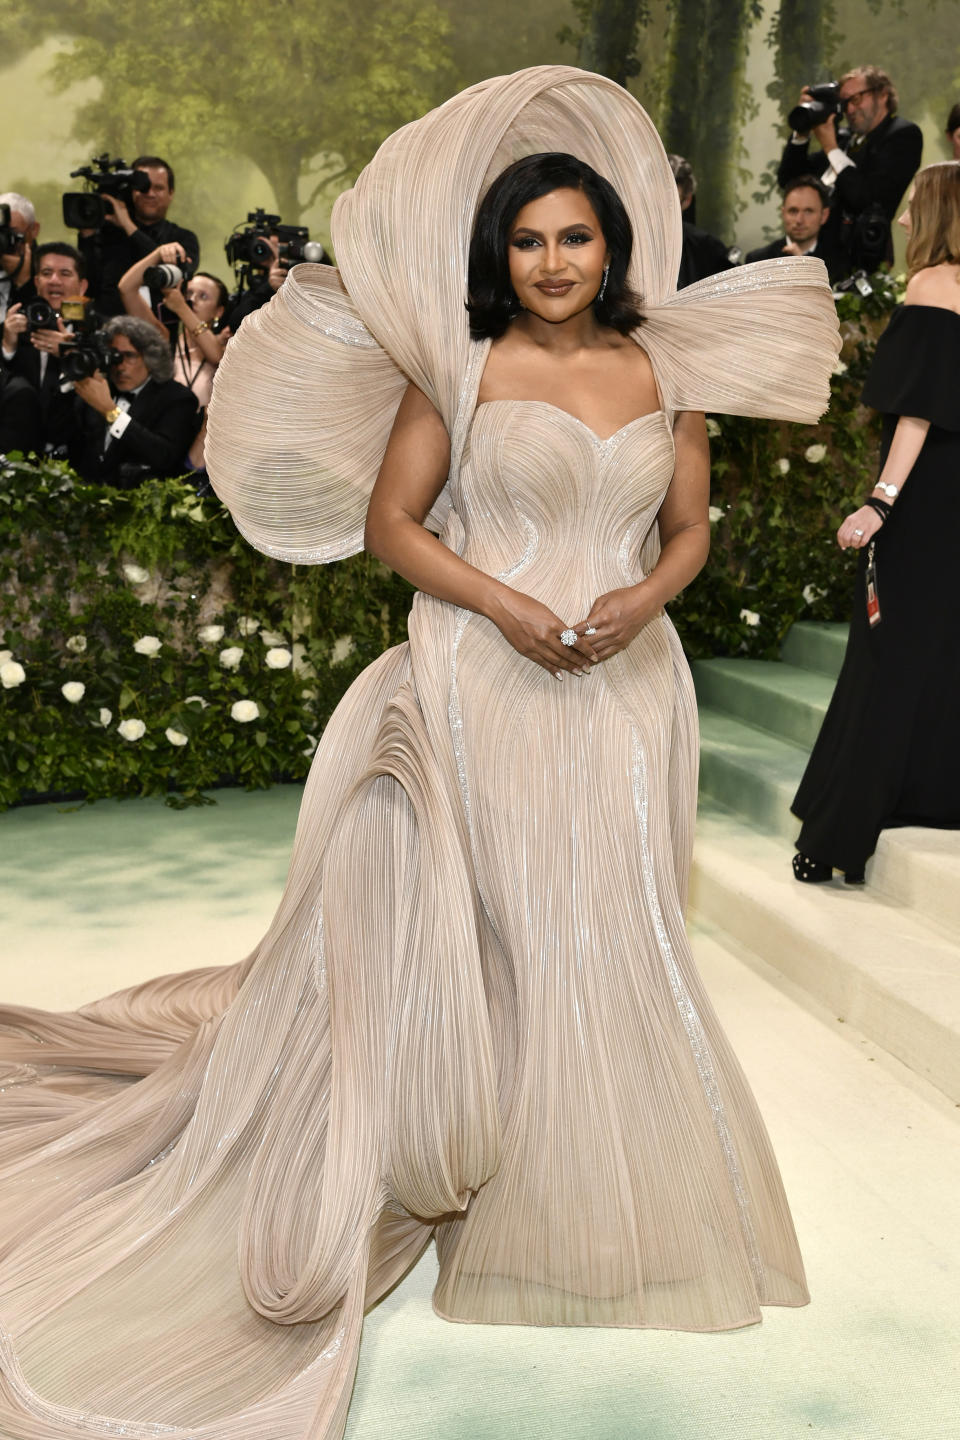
(50, 341)
(276, 275)
(96, 393)
(13, 327)
(172, 253)
(120, 216)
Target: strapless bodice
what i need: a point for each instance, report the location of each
(552, 508)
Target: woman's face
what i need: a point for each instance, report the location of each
(904, 219)
(203, 299)
(557, 253)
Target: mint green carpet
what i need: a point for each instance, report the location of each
(102, 897)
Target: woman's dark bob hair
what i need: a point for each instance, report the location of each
(492, 303)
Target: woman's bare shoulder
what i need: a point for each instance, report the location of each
(937, 285)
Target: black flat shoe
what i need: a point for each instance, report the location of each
(810, 872)
(855, 877)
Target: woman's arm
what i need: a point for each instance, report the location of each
(413, 473)
(129, 286)
(860, 527)
(620, 615)
(211, 346)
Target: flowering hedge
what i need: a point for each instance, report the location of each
(146, 649)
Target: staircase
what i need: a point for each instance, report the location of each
(884, 957)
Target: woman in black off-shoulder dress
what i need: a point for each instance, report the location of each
(888, 753)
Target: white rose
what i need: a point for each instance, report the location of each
(198, 699)
(210, 634)
(715, 514)
(713, 429)
(5, 655)
(814, 453)
(750, 617)
(783, 465)
(839, 368)
(278, 658)
(244, 711)
(74, 691)
(246, 625)
(147, 645)
(132, 729)
(310, 747)
(231, 657)
(176, 737)
(812, 592)
(270, 637)
(105, 716)
(136, 574)
(77, 643)
(12, 674)
(342, 647)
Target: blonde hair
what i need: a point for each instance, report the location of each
(935, 218)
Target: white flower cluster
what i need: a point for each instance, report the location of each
(77, 644)
(210, 634)
(278, 658)
(12, 672)
(750, 617)
(715, 514)
(136, 574)
(713, 429)
(783, 465)
(74, 691)
(244, 711)
(231, 657)
(814, 453)
(148, 645)
(812, 593)
(132, 729)
(342, 648)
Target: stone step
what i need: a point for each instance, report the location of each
(782, 699)
(750, 772)
(870, 959)
(813, 646)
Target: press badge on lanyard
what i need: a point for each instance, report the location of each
(873, 599)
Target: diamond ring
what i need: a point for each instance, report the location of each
(858, 533)
(568, 637)
(590, 630)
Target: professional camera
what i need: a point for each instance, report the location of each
(168, 277)
(809, 113)
(869, 237)
(295, 245)
(40, 315)
(86, 209)
(251, 247)
(10, 239)
(86, 355)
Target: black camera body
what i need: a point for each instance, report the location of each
(86, 355)
(86, 209)
(809, 113)
(249, 247)
(11, 241)
(295, 245)
(40, 316)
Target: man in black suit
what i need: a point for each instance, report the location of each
(702, 254)
(866, 170)
(140, 423)
(805, 212)
(33, 354)
(125, 238)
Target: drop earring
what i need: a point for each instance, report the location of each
(603, 284)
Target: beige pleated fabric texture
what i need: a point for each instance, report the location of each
(475, 1013)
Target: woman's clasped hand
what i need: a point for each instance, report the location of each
(615, 619)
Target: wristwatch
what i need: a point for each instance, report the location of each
(112, 416)
(891, 491)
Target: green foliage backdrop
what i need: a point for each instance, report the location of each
(146, 649)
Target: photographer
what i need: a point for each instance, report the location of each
(953, 129)
(34, 334)
(198, 305)
(805, 212)
(140, 423)
(125, 237)
(867, 168)
(243, 302)
(16, 245)
(702, 254)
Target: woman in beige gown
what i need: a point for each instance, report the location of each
(475, 1015)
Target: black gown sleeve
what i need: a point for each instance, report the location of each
(915, 367)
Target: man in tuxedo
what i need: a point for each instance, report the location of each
(805, 212)
(33, 354)
(866, 169)
(125, 238)
(140, 423)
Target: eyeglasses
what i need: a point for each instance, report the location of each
(857, 96)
